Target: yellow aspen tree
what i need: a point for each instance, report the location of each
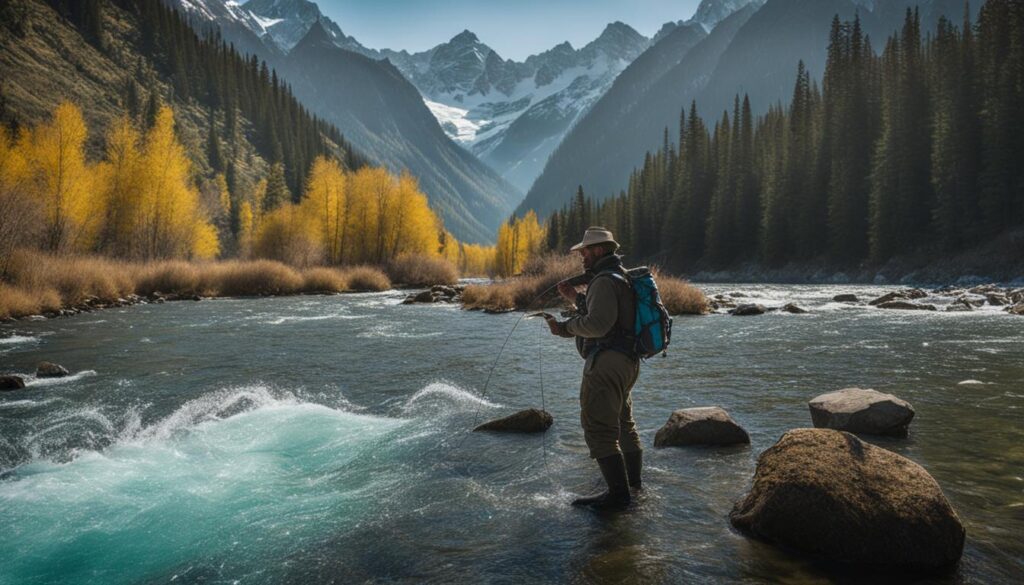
(324, 203)
(246, 229)
(19, 212)
(121, 194)
(362, 214)
(62, 180)
(224, 195)
(205, 245)
(504, 257)
(415, 227)
(174, 226)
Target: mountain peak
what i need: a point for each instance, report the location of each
(710, 12)
(317, 35)
(466, 37)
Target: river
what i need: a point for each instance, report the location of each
(324, 439)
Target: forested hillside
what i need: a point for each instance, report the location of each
(235, 117)
(917, 149)
(753, 51)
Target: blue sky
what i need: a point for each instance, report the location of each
(515, 29)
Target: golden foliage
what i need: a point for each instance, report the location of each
(139, 202)
(365, 217)
(518, 240)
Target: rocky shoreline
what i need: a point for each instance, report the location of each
(950, 298)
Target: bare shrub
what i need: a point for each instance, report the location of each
(418, 270)
(367, 278)
(255, 278)
(168, 277)
(323, 280)
(680, 297)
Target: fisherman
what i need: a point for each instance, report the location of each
(603, 338)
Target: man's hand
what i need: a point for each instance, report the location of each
(556, 327)
(567, 291)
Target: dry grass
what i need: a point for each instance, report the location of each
(254, 278)
(36, 283)
(521, 292)
(172, 276)
(680, 297)
(417, 270)
(367, 279)
(533, 289)
(323, 280)
(74, 279)
(20, 302)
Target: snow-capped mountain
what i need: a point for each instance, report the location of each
(711, 12)
(510, 114)
(513, 114)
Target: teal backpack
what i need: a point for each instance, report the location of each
(652, 329)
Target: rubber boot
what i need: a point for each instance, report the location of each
(634, 463)
(613, 468)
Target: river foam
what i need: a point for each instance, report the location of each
(231, 470)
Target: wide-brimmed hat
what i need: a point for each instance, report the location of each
(595, 235)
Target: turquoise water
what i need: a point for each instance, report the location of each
(323, 439)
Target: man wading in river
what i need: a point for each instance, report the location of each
(603, 338)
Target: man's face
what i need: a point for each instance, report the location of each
(589, 255)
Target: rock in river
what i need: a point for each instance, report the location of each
(862, 411)
(11, 383)
(51, 370)
(531, 420)
(906, 306)
(846, 298)
(793, 308)
(710, 425)
(748, 309)
(828, 494)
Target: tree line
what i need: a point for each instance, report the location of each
(920, 147)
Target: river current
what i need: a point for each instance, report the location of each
(324, 439)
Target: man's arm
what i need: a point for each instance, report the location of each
(602, 311)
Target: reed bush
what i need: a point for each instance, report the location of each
(540, 276)
(323, 280)
(168, 277)
(419, 270)
(20, 302)
(680, 297)
(533, 289)
(253, 278)
(367, 279)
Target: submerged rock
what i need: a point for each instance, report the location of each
(531, 420)
(860, 410)
(710, 425)
(11, 383)
(793, 308)
(829, 494)
(906, 306)
(749, 309)
(997, 299)
(51, 370)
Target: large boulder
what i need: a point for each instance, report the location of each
(828, 494)
(749, 309)
(859, 410)
(1017, 309)
(11, 383)
(709, 425)
(51, 370)
(531, 420)
(906, 306)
